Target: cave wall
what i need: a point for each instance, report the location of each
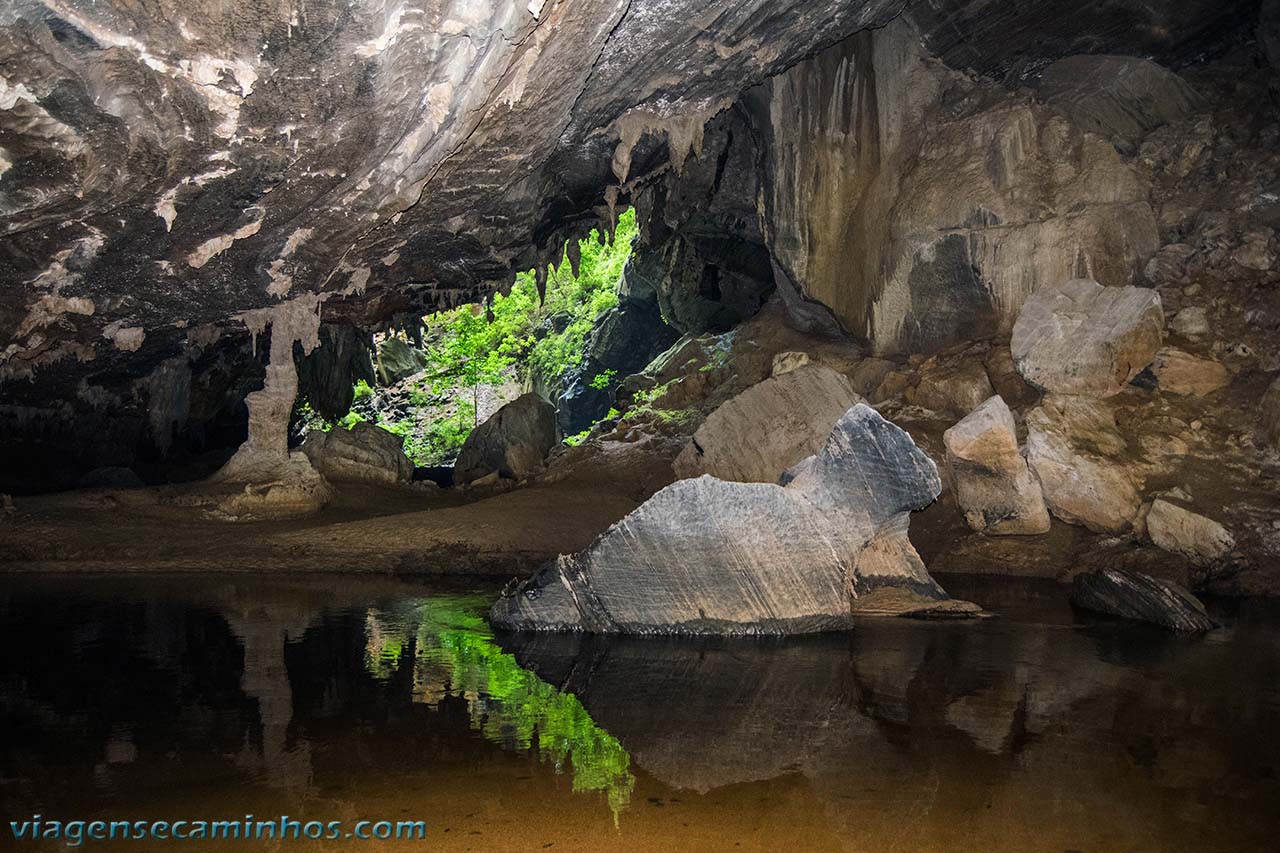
(166, 168)
(923, 206)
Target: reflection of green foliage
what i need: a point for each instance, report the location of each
(508, 704)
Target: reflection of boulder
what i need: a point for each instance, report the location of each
(962, 718)
(706, 556)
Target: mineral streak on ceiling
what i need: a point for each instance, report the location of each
(172, 164)
(168, 165)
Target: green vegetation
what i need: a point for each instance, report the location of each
(516, 338)
(456, 653)
(469, 347)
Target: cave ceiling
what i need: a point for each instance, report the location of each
(167, 165)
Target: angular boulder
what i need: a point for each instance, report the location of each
(757, 435)
(1178, 530)
(1138, 596)
(364, 453)
(514, 441)
(1181, 373)
(706, 556)
(1079, 337)
(994, 487)
(1075, 451)
(397, 360)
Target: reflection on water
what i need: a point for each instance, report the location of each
(1042, 730)
(451, 650)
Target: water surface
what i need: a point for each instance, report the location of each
(347, 699)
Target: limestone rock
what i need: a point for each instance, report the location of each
(514, 441)
(757, 435)
(1178, 530)
(1078, 337)
(868, 374)
(365, 452)
(994, 486)
(398, 360)
(785, 362)
(1180, 372)
(706, 556)
(1190, 323)
(956, 388)
(1121, 97)
(1075, 450)
(1255, 253)
(1138, 596)
(298, 490)
(919, 224)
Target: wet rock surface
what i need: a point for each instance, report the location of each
(706, 556)
(1134, 595)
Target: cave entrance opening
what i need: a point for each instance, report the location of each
(438, 377)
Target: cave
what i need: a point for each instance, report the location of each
(505, 425)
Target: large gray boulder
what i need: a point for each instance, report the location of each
(705, 556)
(757, 435)
(365, 453)
(1078, 337)
(1134, 595)
(514, 441)
(994, 487)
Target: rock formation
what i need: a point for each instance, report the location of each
(1078, 337)
(1120, 97)
(278, 483)
(1134, 595)
(1078, 455)
(514, 442)
(996, 490)
(1178, 530)
(706, 556)
(365, 452)
(757, 435)
(1180, 372)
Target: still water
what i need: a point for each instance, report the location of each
(355, 699)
